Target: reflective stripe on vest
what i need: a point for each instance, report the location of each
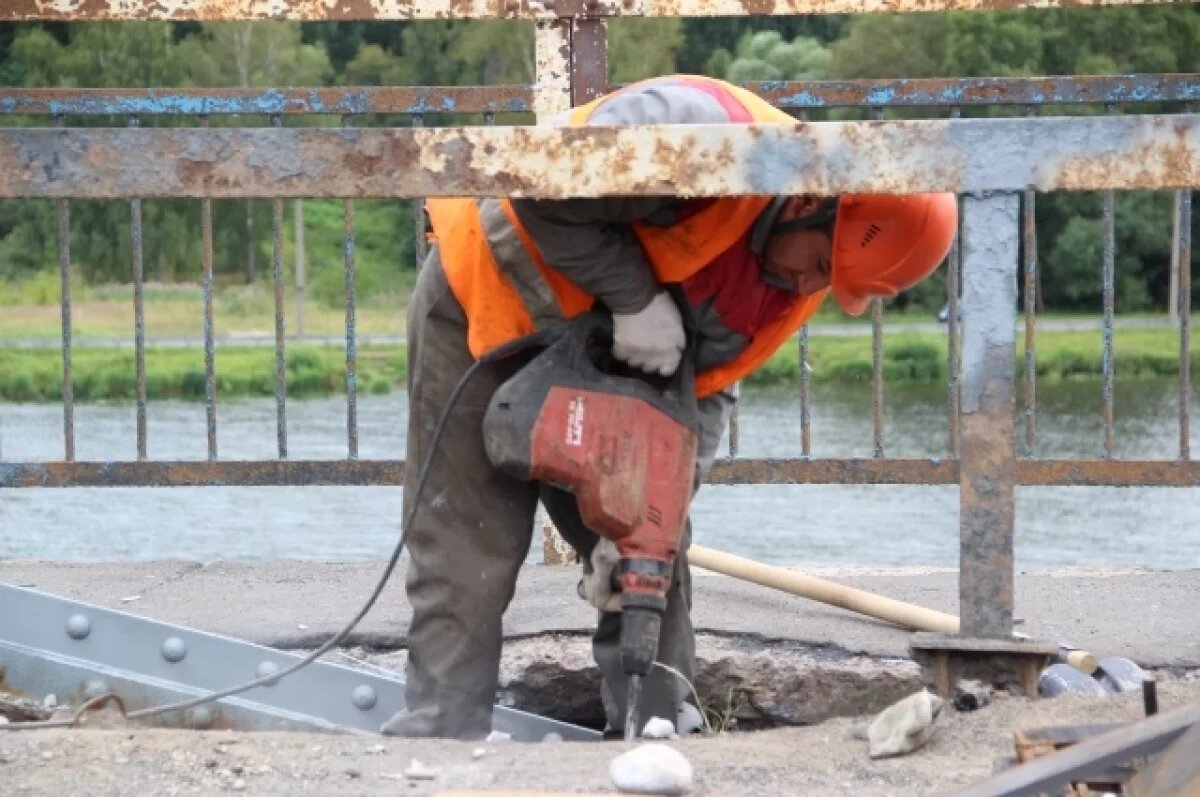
(501, 303)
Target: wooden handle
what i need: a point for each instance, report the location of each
(899, 613)
(893, 611)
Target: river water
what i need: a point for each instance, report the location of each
(806, 524)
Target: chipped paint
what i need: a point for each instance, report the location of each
(227, 10)
(963, 155)
(284, 101)
(987, 475)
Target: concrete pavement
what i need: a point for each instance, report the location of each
(1151, 617)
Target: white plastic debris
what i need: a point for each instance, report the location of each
(659, 728)
(651, 769)
(418, 771)
(496, 737)
(905, 726)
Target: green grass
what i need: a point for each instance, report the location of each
(108, 374)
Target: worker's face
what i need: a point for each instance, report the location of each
(802, 259)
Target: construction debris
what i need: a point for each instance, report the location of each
(652, 769)
(971, 695)
(904, 727)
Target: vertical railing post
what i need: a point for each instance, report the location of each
(990, 235)
(552, 95)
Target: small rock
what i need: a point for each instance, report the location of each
(238, 785)
(353, 773)
(478, 753)
(418, 771)
(210, 763)
(651, 769)
(905, 726)
(971, 695)
(659, 728)
(238, 771)
(496, 737)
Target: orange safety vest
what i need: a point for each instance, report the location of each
(496, 314)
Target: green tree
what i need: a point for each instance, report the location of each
(766, 56)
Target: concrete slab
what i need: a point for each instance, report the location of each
(1150, 617)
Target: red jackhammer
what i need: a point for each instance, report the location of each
(625, 448)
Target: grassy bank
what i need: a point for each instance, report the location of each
(108, 374)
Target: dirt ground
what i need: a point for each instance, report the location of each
(817, 760)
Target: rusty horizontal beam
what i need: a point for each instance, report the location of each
(340, 10)
(285, 101)
(346, 473)
(1068, 90)
(261, 473)
(1085, 89)
(962, 155)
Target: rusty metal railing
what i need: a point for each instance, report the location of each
(997, 165)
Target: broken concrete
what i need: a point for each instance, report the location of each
(753, 682)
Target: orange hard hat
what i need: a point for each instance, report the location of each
(883, 244)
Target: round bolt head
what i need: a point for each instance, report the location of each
(200, 718)
(265, 669)
(173, 649)
(95, 688)
(364, 697)
(78, 626)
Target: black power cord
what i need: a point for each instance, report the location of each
(521, 344)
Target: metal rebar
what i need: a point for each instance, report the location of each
(280, 332)
(1029, 229)
(805, 396)
(877, 352)
(1185, 319)
(877, 373)
(139, 313)
(734, 420)
(1109, 293)
(210, 367)
(953, 270)
(64, 272)
(418, 211)
(351, 332)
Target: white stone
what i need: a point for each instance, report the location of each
(659, 728)
(495, 737)
(689, 719)
(905, 726)
(418, 771)
(651, 769)
(478, 753)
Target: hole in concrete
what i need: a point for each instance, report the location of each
(758, 683)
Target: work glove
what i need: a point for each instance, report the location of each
(599, 569)
(651, 339)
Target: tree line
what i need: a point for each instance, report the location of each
(1037, 42)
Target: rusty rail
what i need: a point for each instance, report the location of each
(353, 10)
(963, 155)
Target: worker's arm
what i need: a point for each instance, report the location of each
(590, 240)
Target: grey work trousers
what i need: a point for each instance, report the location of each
(472, 531)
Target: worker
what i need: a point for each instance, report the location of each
(753, 270)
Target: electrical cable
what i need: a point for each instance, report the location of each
(521, 344)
